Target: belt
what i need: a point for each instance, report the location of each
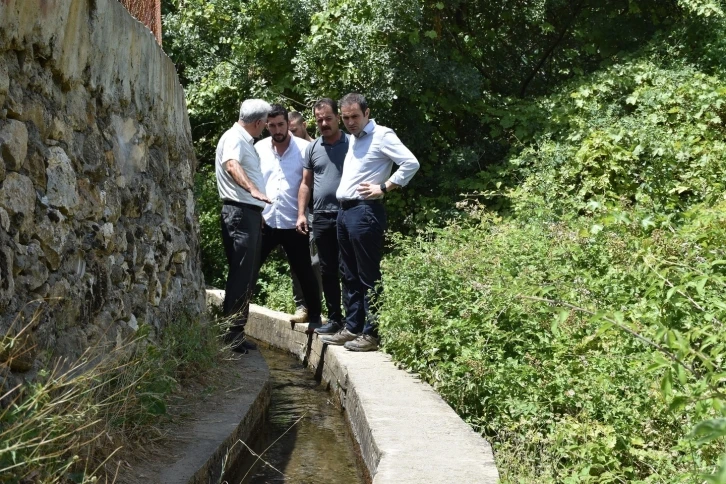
(243, 205)
(346, 204)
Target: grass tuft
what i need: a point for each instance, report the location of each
(75, 420)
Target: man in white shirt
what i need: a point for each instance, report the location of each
(281, 158)
(361, 219)
(298, 127)
(241, 188)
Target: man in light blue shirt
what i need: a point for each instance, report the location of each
(361, 220)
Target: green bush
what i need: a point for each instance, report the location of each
(580, 325)
(565, 395)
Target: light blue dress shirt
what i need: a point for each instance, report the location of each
(370, 159)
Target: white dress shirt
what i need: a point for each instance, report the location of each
(370, 159)
(282, 175)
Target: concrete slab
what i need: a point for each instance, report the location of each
(206, 440)
(406, 432)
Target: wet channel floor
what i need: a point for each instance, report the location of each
(308, 439)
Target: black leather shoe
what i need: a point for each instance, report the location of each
(240, 343)
(331, 328)
(249, 345)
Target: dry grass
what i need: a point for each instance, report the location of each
(71, 422)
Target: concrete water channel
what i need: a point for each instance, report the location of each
(365, 410)
(304, 438)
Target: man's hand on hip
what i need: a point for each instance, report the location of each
(370, 190)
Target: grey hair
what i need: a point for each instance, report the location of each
(252, 110)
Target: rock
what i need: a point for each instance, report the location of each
(17, 197)
(4, 81)
(179, 257)
(52, 232)
(33, 271)
(95, 165)
(35, 160)
(62, 190)
(59, 130)
(111, 201)
(14, 100)
(4, 220)
(106, 236)
(23, 353)
(13, 143)
(154, 290)
(35, 112)
(7, 282)
(132, 323)
(91, 203)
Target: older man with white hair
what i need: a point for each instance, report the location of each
(241, 188)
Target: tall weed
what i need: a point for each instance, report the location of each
(68, 423)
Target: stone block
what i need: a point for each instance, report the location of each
(59, 130)
(62, 187)
(7, 281)
(35, 112)
(13, 143)
(95, 164)
(33, 271)
(91, 201)
(4, 220)
(38, 153)
(52, 231)
(4, 81)
(14, 100)
(17, 197)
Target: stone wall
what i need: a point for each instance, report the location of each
(97, 218)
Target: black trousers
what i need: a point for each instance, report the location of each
(242, 239)
(297, 292)
(298, 256)
(325, 233)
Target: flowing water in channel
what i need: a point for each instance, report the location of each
(317, 449)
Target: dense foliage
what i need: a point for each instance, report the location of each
(557, 268)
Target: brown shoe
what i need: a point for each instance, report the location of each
(338, 339)
(300, 316)
(363, 342)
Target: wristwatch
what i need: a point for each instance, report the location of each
(383, 187)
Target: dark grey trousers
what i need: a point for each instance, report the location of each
(242, 239)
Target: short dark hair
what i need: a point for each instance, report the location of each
(295, 116)
(278, 110)
(326, 101)
(354, 98)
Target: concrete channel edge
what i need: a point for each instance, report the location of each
(405, 432)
